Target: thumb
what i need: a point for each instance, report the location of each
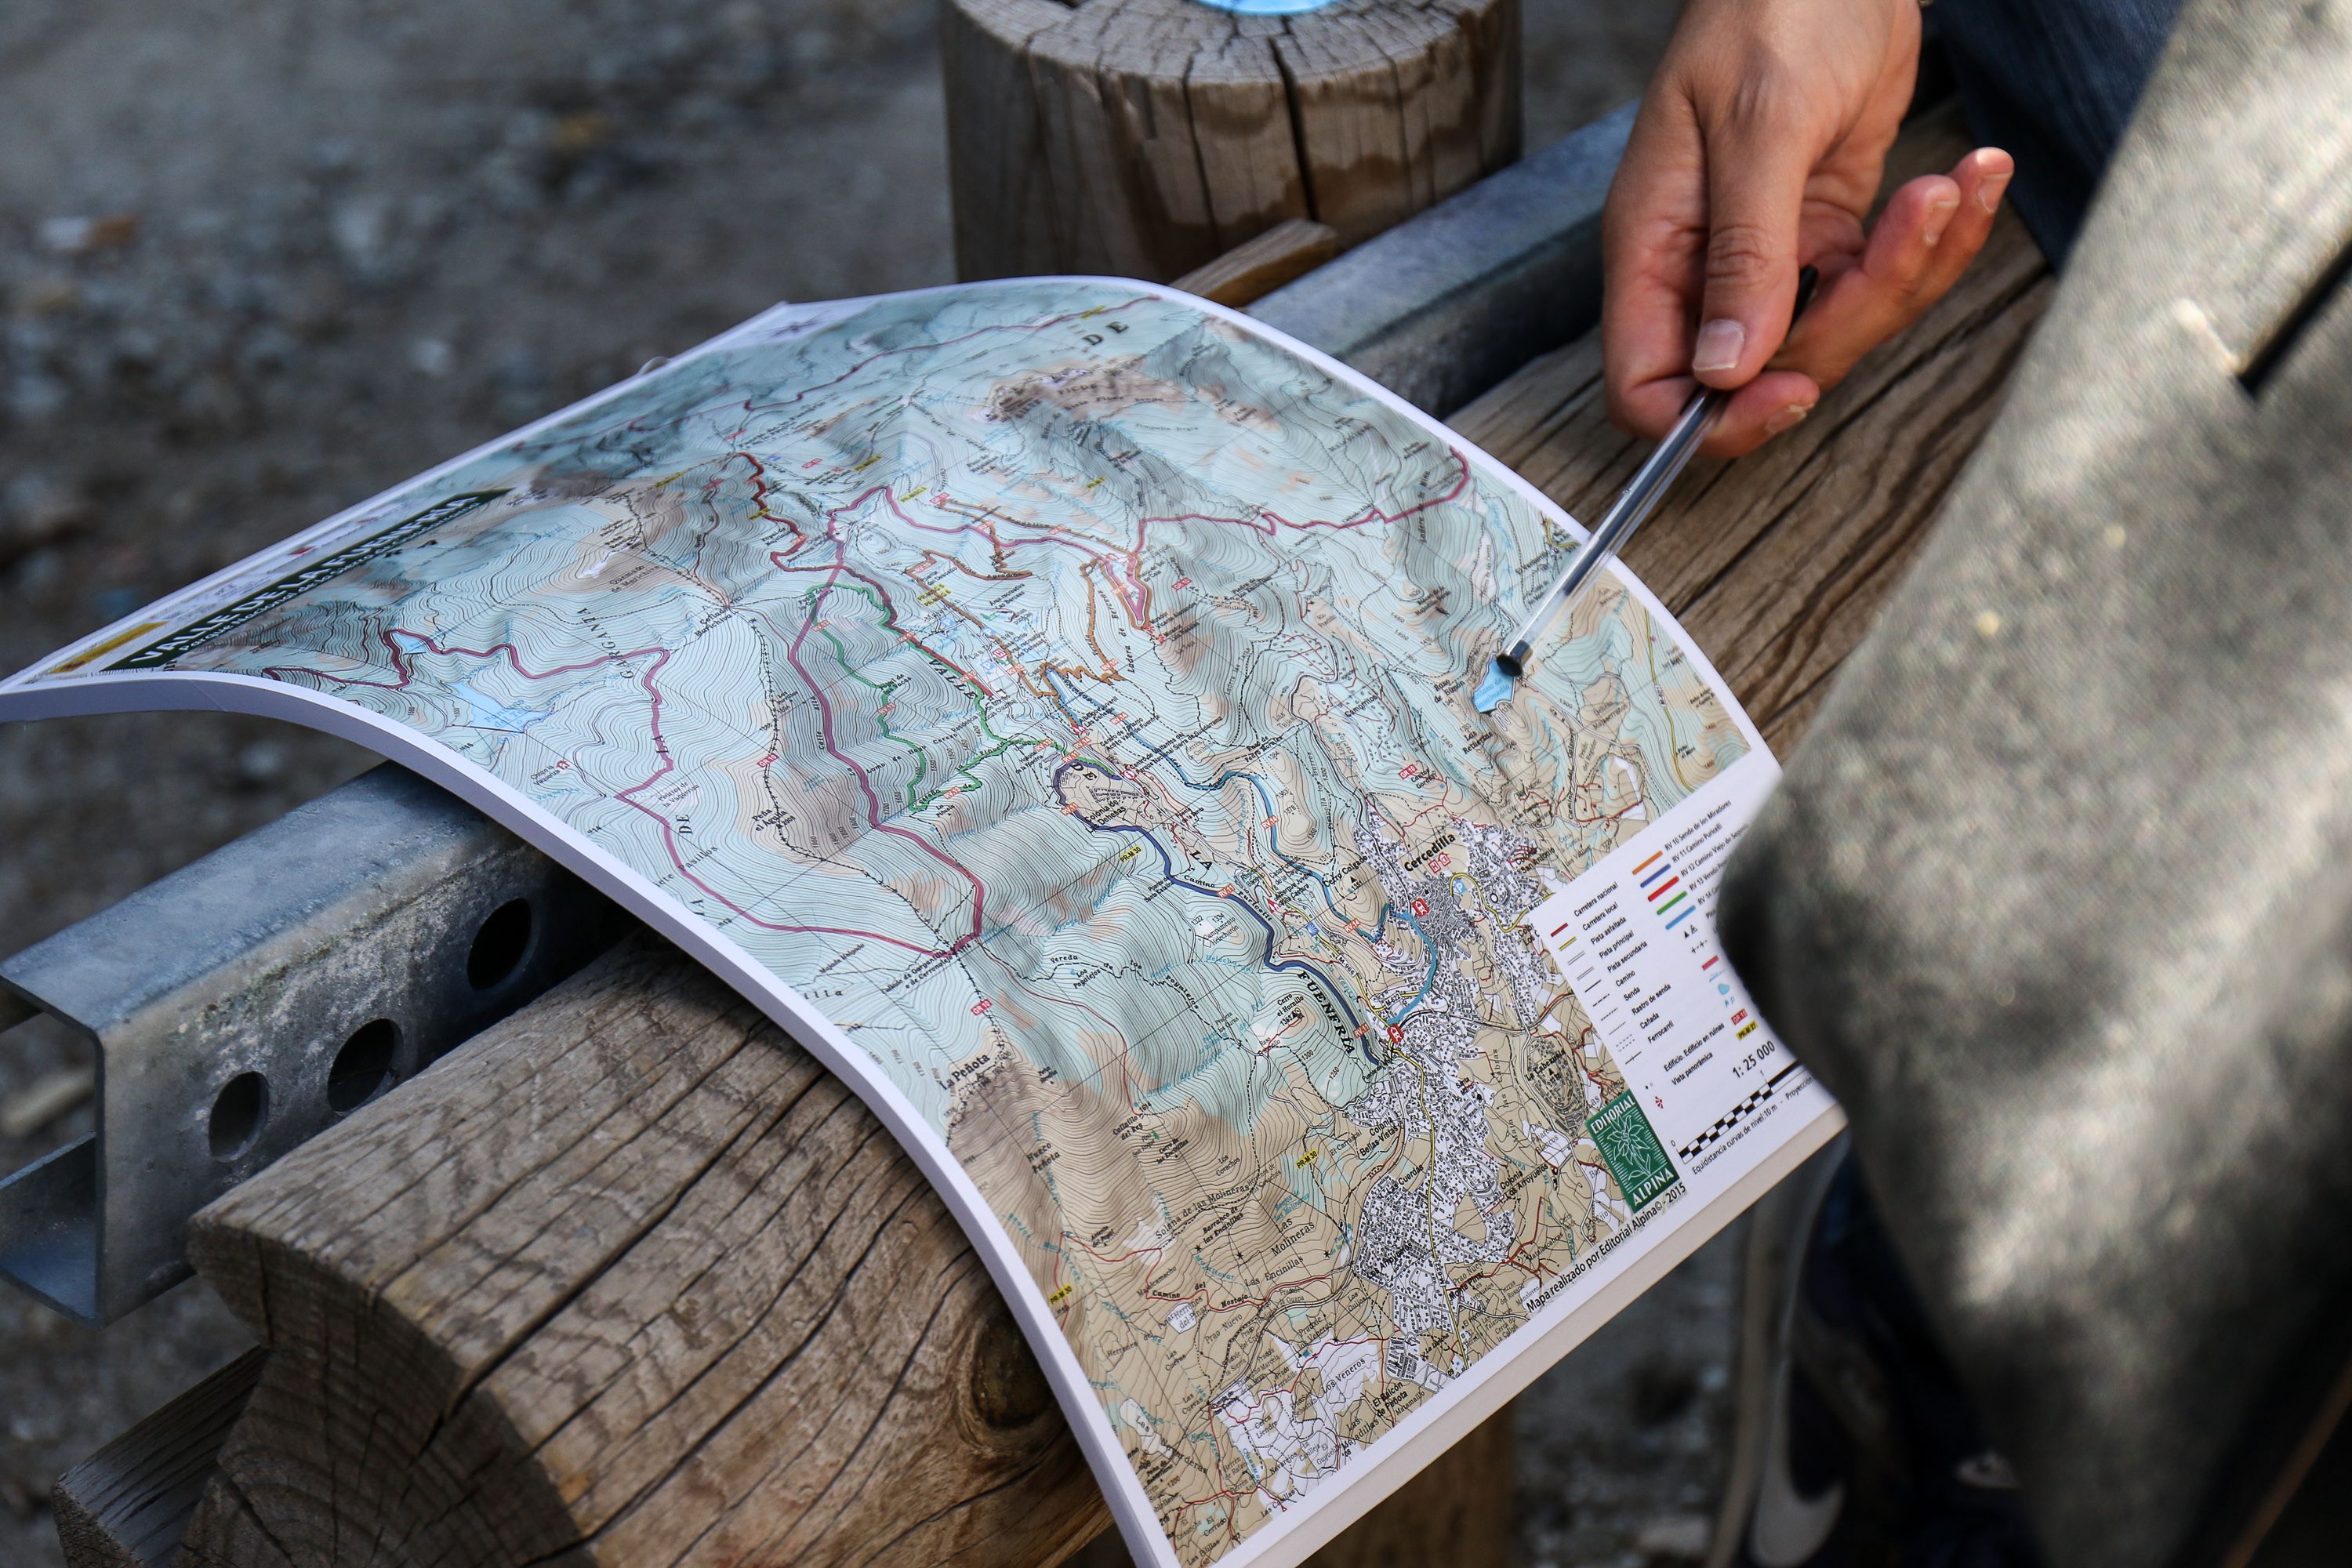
(1754, 196)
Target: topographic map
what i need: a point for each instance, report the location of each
(1063, 689)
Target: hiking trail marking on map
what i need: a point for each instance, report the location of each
(1046, 699)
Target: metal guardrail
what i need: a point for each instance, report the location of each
(243, 1004)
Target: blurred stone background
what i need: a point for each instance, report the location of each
(259, 259)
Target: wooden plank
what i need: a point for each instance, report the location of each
(1252, 270)
(127, 1505)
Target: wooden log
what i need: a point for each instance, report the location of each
(1146, 137)
(1457, 1511)
(127, 1505)
(633, 1280)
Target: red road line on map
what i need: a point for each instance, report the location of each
(1123, 1258)
(401, 664)
(1158, 1253)
(669, 840)
(749, 407)
(1238, 1302)
(1091, 549)
(661, 656)
(760, 500)
(1139, 606)
(840, 567)
(866, 787)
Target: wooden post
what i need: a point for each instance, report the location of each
(1145, 137)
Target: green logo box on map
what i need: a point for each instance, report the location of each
(1634, 1155)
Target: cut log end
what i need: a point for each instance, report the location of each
(632, 1281)
(127, 1505)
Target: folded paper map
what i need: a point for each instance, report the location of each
(1050, 702)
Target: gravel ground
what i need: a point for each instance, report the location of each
(259, 259)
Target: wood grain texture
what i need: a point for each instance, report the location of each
(127, 1505)
(631, 1280)
(1256, 267)
(1147, 137)
(1004, 210)
(1456, 1512)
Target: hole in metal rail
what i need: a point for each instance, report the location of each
(240, 1111)
(500, 946)
(363, 1068)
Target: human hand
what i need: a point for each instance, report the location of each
(1758, 151)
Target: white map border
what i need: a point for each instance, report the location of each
(1370, 1476)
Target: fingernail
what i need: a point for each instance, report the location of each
(1989, 188)
(1787, 418)
(1718, 345)
(1939, 214)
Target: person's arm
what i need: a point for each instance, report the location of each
(1758, 151)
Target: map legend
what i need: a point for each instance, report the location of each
(1634, 939)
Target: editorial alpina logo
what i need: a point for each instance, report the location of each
(1632, 1151)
